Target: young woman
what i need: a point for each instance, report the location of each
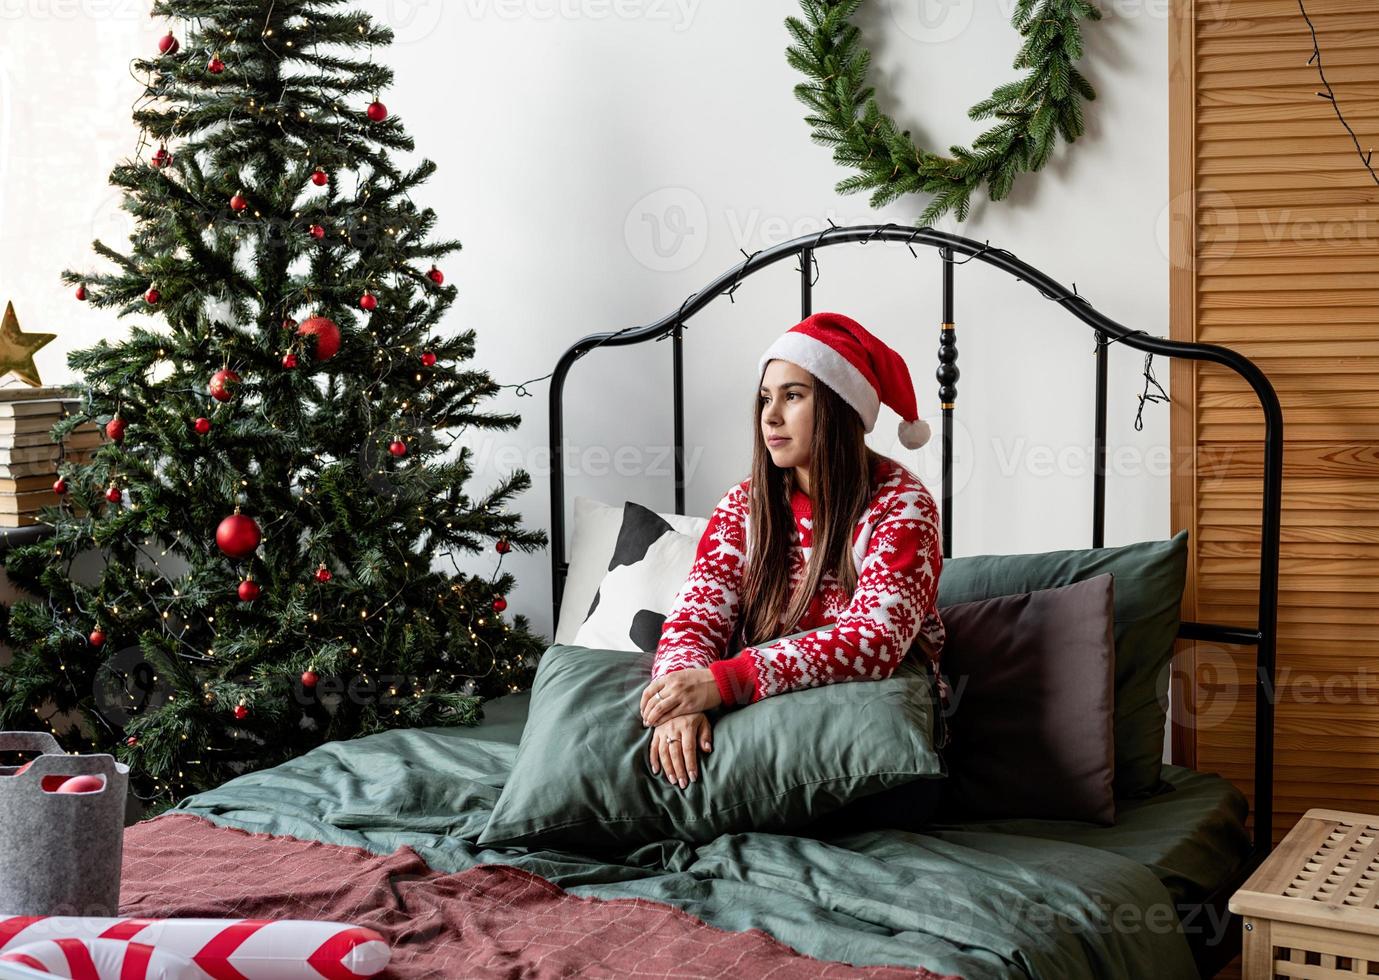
(824, 533)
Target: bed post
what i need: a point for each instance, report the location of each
(1099, 447)
(677, 358)
(947, 375)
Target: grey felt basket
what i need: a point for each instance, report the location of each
(60, 853)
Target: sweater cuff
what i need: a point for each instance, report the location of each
(736, 678)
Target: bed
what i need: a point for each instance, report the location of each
(383, 829)
(1001, 899)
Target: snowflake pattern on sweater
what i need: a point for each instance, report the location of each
(862, 636)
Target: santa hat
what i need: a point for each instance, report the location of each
(864, 372)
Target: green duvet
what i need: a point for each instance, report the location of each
(1008, 899)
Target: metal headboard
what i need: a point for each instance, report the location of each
(1262, 636)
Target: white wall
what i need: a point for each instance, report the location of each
(570, 133)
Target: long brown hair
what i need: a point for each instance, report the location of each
(840, 483)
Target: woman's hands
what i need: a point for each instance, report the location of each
(680, 692)
(675, 747)
(674, 705)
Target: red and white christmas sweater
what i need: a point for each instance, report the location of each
(898, 555)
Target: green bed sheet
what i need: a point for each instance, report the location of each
(1044, 899)
(1191, 835)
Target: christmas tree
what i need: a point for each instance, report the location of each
(278, 480)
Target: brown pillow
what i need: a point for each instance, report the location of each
(1032, 705)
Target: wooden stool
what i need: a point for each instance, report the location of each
(1312, 908)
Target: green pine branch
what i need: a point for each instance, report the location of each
(1030, 112)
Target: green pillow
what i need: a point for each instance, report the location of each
(1148, 595)
(581, 777)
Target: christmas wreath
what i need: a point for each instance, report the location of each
(1030, 112)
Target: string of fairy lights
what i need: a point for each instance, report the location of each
(1330, 95)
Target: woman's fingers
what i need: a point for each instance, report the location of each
(667, 768)
(662, 750)
(668, 761)
(663, 709)
(677, 760)
(647, 695)
(691, 754)
(704, 733)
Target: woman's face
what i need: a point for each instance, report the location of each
(787, 412)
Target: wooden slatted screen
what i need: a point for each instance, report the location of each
(1275, 252)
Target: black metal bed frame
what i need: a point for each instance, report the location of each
(1217, 940)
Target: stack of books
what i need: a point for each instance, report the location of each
(29, 457)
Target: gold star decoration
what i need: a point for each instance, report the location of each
(17, 348)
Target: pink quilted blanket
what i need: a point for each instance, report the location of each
(489, 921)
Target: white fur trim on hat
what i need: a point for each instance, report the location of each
(830, 367)
(914, 434)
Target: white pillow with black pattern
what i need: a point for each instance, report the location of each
(651, 561)
(592, 540)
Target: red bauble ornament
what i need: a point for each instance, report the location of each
(202, 425)
(309, 678)
(215, 66)
(60, 486)
(167, 44)
(377, 111)
(162, 158)
(503, 546)
(499, 603)
(220, 384)
(113, 494)
(131, 741)
(368, 302)
(289, 323)
(241, 712)
(397, 447)
(249, 590)
(323, 573)
(317, 232)
(97, 638)
(436, 276)
(319, 177)
(239, 202)
(81, 784)
(289, 360)
(238, 535)
(115, 429)
(152, 296)
(327, 335)
(428, 358)
(81, 292)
